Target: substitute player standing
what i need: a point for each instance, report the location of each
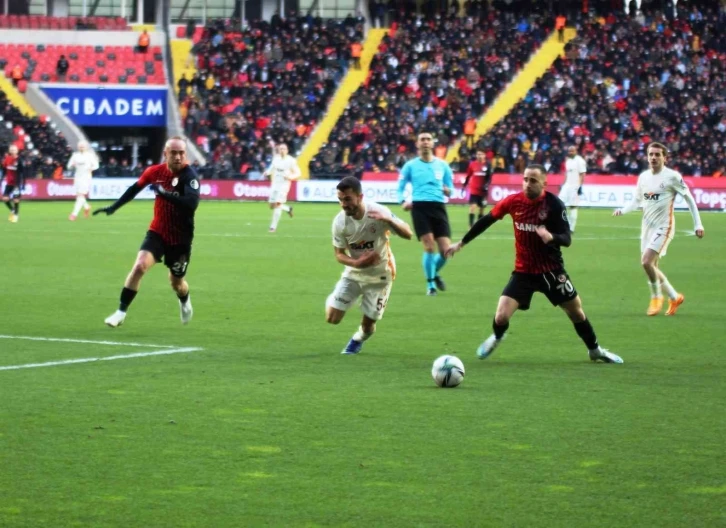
(540, 230)
(656, 190)
(575, 170)
(171, 231)
(478, 178)
(282, 171)
(431, 180)
(84, 161)
(13, 183)
(360, 241)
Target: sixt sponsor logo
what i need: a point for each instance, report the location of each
(653, 197)
(362, 245)
(525, 227)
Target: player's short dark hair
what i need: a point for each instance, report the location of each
(425, 131)
(537, 166)
(660, 146)
(352, 183)
(481, 149)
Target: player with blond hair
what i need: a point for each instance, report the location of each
(84, 161)
(282, 171)
(657, 190)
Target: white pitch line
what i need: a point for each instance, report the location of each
(88, 341)
(109, 358)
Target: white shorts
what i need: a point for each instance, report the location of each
(568, 194)
(657, 239)
(82, 185)
(278, 195)
(373, 303)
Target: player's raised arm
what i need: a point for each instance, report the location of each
(129, 194)
(634, 203)
(397, 225)
(681, 188)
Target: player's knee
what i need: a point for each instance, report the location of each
(501, 318)
(140, 267)
(333, 316)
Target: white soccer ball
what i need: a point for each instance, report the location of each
(448, 371)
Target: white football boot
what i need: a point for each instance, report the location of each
(488, 346)
(186, 311)
(115, 319)
(604, 355)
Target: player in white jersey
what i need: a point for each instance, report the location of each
(282, 171)
(360, 241)
(84, 161)
(657, 189)
(575, 169)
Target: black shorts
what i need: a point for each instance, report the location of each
(176, 258)
(430, 217)
(556, 286)
(11, 191)
(478, 199)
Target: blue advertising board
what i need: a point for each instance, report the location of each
(110, 107)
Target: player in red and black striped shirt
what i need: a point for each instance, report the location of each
(13, 183)
(540, 230)
(478, 178)
(171, 231)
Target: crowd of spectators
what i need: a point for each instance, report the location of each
(270, 83)
(43, 149)
(625, 81)
(433, 72)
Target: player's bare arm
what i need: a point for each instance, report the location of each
(397, 225)
(366, 260)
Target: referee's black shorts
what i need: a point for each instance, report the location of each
(430, 217)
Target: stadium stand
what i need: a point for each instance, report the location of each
(433, 73)
(88, 64)
(270, 84)
(43, 149)
(71, 23)
(624, 82)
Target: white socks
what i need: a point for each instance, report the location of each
(361, 336)
(670, 290)
(80, 202)
(285, 208)
(655, 290)
(276, 214)
(573, 218)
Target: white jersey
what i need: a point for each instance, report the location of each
(360, 236)
(573, 168)
(281, 171)
(84, 163)
(657, 194)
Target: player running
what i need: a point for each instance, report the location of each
(478, 178)
(575, 170)
(360, 241)
(84, 161)
(540, 230)
(282, 171)
(13, 183)
(656, 190)
(432, 180)
(171, 231)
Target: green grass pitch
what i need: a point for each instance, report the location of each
(268, 425)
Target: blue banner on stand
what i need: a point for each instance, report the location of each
(110, 107)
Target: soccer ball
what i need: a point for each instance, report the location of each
(448, 371)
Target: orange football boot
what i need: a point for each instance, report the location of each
(655, 306)
(673, 304)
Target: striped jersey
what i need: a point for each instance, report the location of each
(10, 168)
(531, 254)
(175, 224)
(360, 236)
